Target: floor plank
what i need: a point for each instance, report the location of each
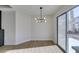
(30, 44)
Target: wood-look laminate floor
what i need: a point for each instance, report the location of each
(29, 44)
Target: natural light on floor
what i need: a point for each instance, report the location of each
(46, 49)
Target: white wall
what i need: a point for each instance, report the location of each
(60, 11)
(27, 29)
(23, 27)
(8, 24)
(42, 31)
(17, 27)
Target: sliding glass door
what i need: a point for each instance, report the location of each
(68, 30)
(61, 20)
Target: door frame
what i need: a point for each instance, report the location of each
(65, 33)
(65, 30)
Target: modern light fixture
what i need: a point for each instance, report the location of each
(41, 18)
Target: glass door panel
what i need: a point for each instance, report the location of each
(73, 29)
(62, 31)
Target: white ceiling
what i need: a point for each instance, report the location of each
(35, 9)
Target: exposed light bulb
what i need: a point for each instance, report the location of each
(45, 21)
(35, 18)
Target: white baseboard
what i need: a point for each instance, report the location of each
(20, 42)
(42, 39)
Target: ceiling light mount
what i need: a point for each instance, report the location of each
(41, 7)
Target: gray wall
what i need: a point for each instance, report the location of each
(8, 24)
